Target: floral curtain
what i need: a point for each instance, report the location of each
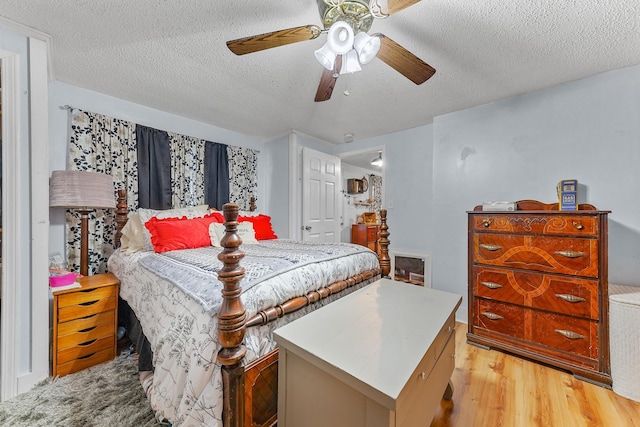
(100, 144)
(375, 182)
(187, 170)
(243, 176)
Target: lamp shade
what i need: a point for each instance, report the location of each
(350, 62)
(81, 190)
(378, 160)
(340, 37)
(326, 57)
(366, 46)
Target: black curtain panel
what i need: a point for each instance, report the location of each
(154, 168)
(216, 174)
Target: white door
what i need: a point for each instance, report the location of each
(320, 196)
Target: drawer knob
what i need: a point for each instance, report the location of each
(486, 222)
(570, 334)
(577, 225)
(570, 298)
(570, 254)
(491, 285)
(492, 316)
(490, 247)
(423, 375)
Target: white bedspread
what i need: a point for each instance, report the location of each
(180, 323)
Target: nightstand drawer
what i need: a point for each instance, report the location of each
(87, 296)
(72, 326)
(85, 309)
(85, 362)
(86, 335)
(85, 349)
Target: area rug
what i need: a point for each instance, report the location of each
(108, 394)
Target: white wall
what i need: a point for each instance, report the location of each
(61, 94)
(521, 147)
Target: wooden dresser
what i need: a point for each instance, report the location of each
(85, 322)
(365, 235)
(538, 286)
(379, 357)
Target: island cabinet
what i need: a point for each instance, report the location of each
(379, 357)
(538, 286)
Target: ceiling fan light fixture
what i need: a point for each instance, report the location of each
(378, 160)
(350, 63)
(326, 57)
(366, 46)
(340, 37)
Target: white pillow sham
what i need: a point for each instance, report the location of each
(245, 231)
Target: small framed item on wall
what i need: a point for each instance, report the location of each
(411, 268)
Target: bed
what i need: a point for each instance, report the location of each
(215, 361)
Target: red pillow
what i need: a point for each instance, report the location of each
(169, 234)
(261, 225)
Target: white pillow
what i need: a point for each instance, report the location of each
(147, 214)
(245, 231)
(132, 239)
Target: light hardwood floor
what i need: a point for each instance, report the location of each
(492, 389)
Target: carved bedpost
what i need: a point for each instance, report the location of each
(231, 321)
(385, 261)
(122, 213)
(252, 204)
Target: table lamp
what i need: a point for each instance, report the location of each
(82, 191)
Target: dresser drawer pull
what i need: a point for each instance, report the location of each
(570, 298)
(577, 225)
(492, 316)
(88, 329)
(86, 357)
(88, 303)
(490, 247)
(570, 254)
(86, 343)
(491, 285)
(570, 334)
(486, 222)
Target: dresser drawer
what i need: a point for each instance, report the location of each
(71, 312)
(85, 349)
(564, 333)
(84, 297)
(550, 254)
(562, 294)
(85, 362)
(106, 317)
(84, 336)
(505, 319)
(560, 224)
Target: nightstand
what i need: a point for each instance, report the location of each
(85, 322)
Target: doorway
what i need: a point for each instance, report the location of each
(367, 197)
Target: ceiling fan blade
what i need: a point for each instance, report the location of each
(403, 61)
(274, 39)
(395, 6)
(328, 81)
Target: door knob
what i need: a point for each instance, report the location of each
(308, 228)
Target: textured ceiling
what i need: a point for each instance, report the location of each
(171, 55)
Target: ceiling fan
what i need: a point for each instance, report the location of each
(348, 45)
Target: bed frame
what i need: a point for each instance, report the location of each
(250, 392)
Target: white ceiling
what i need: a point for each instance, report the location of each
(171, 55)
